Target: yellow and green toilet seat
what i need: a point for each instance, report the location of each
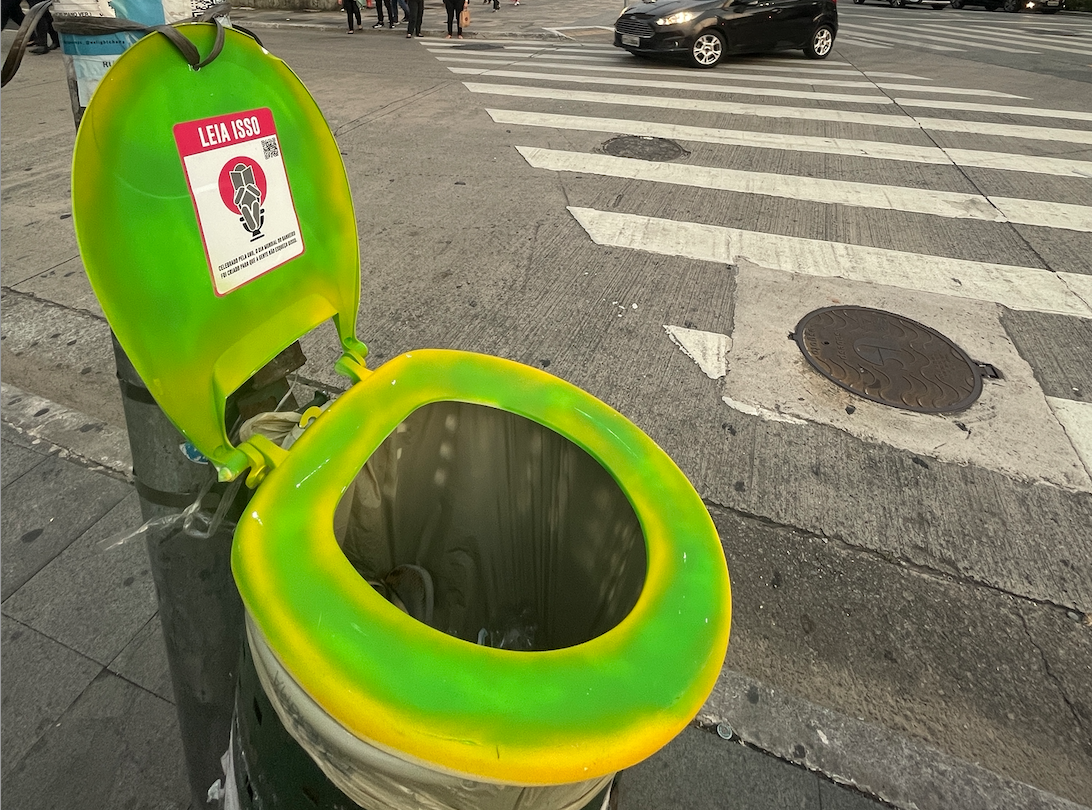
(525, 718)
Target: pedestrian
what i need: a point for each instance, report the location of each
(416, 17)
(454, 10)
(46, 35)
(12, 10)
(392, 13)
(496, 4)
(352, 11)
(405, 10)
(379, 14)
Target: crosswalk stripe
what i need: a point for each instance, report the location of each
(1021, 163)
(950, 204)
(701, 87)
(1047, 214)
(791, 113)
(1005, 130)
(1076, 418)
(862, 30)
(677, 103)
(830, 67)
(878, 150)
(1081, 285)
(734, 77)
(1021, 288)
(954, 91)
(916, 34)
(539, 55)
(803, 70)
(1039, 42)
(971, 106)
(860, 43)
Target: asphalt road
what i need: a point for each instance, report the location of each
(919, 582)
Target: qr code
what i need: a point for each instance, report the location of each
(269, 148)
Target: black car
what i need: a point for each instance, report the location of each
(705, 30)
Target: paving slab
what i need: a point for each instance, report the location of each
(48, 427)
(699, 770)
(116, 747)
(144, 661)
(17, 461)
(62, 354)
(1065, 641)
(42, 678)
(1058, 348)
(91, 598)
(911, 650)
(45, 510)
(64, 283)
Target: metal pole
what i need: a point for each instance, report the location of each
(199, 606)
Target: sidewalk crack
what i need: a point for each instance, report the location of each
(1052, 676)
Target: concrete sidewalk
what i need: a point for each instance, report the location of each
(88, 716)
(88, 713)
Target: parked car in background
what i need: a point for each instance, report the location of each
(705, 31)
(904, 3)
(1045, 6)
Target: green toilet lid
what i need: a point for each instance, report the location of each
(215, 222)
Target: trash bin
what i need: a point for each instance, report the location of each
(468, 584)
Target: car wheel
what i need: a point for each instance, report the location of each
(820, 43)
(1012, 6)
(892, 3)
(708, 49)
(957, 4)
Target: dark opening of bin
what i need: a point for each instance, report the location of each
(527, 541)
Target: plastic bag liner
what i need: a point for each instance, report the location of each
(379, 780)
(527, 543)
(194, 521)
(526, 537)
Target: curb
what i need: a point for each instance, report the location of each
(71, 434)
(878, 762)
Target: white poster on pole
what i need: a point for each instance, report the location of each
(239, 185)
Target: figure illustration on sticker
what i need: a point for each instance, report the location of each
(248, 199)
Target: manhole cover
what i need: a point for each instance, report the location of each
(643, 147)
(478, 46)
(889, 359)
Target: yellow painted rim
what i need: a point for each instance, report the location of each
(530, 718)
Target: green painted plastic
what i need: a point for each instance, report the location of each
(138, 231)
(550, 717)
(526, 718)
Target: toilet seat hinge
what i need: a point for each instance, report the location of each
(351, 364)
(263, 456)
